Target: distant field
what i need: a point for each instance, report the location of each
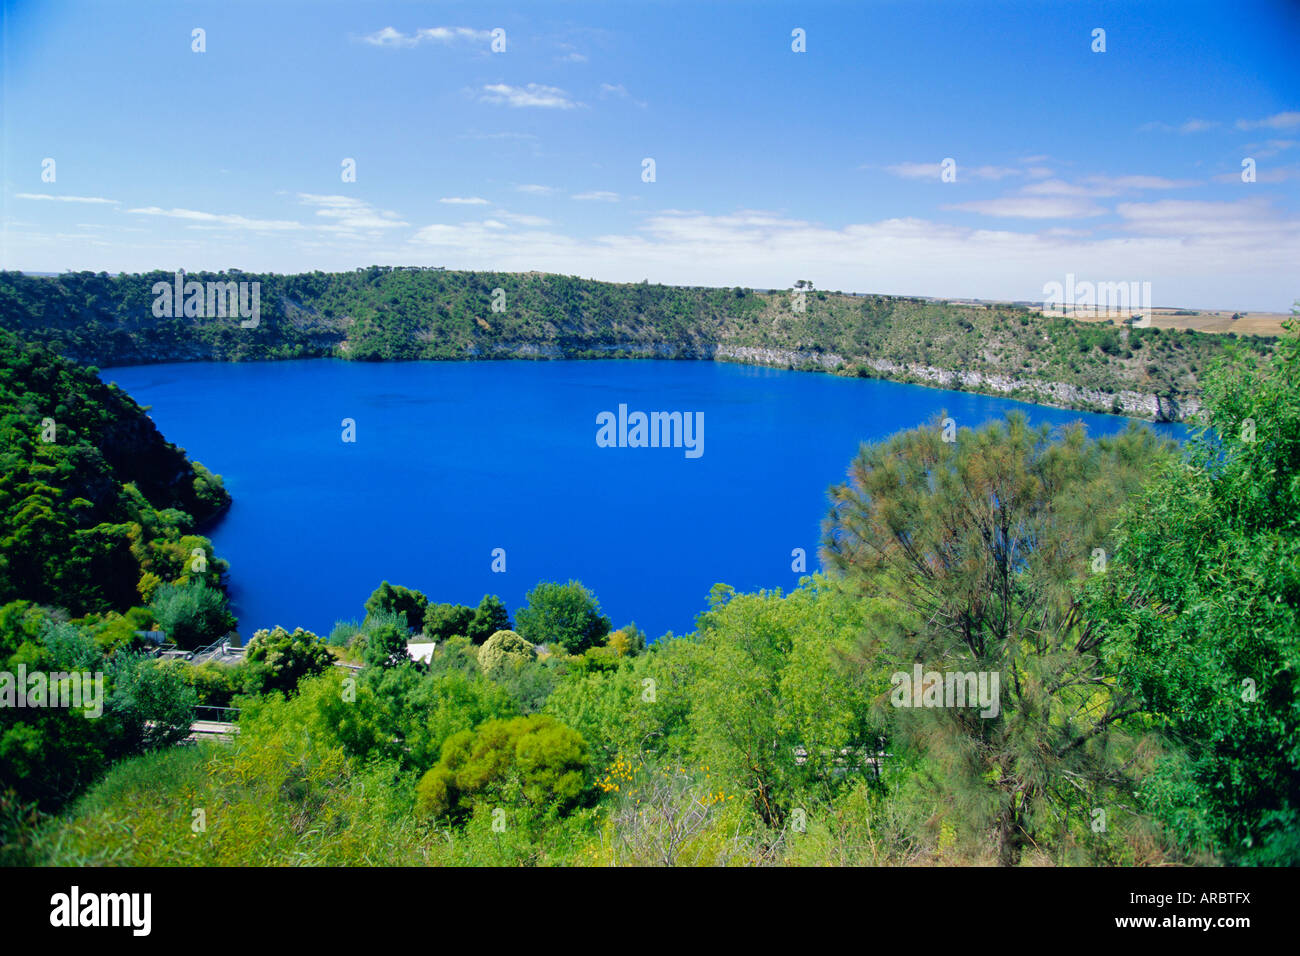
(1250, 323)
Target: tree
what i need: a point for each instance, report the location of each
(563, 614)
(445, 621)
(489, 617)
(626, 641)
(1201, 609)
(386, 647)
(395, 599)
(277, 660)
(981, 542)
(193, 614)
(776, 709)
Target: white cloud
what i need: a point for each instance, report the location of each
(1058, 187)
(1139, 182)
(532, 95)
(1286, 120)
(390, 37)
(1248, 267)
(596, 195)
(1032, 207)
(1193, 125)
(934, 171)
(1266, 174)
(992, 172)
(1190, 220)
(523, 219)
(351, 215)
(1101, 186)
(916, 170)
(84, 199)
(535, 189)
(464, 201)
(221, 219)
(619, 91)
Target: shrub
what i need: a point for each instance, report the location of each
(503, 649)
(192, 614)
(277, 660)
(535, 761)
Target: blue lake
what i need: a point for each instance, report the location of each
(455, 459)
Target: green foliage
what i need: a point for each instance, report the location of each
(128, 705)
(1202, 613)
(214, 685)
(276, 660)
(96, 507)
(395, 599)
(504, 650)
(489, 617)
(386, 647)
(443, 621)
(192, 615)
(535, 761)
(777, 706)
(386, 313)
(566, 615)
(982, 543)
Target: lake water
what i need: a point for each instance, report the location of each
(455, 459)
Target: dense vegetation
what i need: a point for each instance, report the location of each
(98, 519)
(393, 313)
(98, 510)
(1139, 604)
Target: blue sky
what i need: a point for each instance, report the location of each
(770, 165)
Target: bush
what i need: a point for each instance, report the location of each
(193, 614)
(277, 660)
(503, 649)
(564, 614)
(535, 761)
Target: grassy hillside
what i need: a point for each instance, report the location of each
(382, 313)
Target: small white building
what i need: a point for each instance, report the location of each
(421, 653)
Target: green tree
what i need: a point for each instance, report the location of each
(386, 647)
(1201, 609)
(444, 621)
(489, 617)
(395, 599)
(981, 542)
(193, 614)
(564, 614)
(277, 660)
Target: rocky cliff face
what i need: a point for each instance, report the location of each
(1136, 404)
